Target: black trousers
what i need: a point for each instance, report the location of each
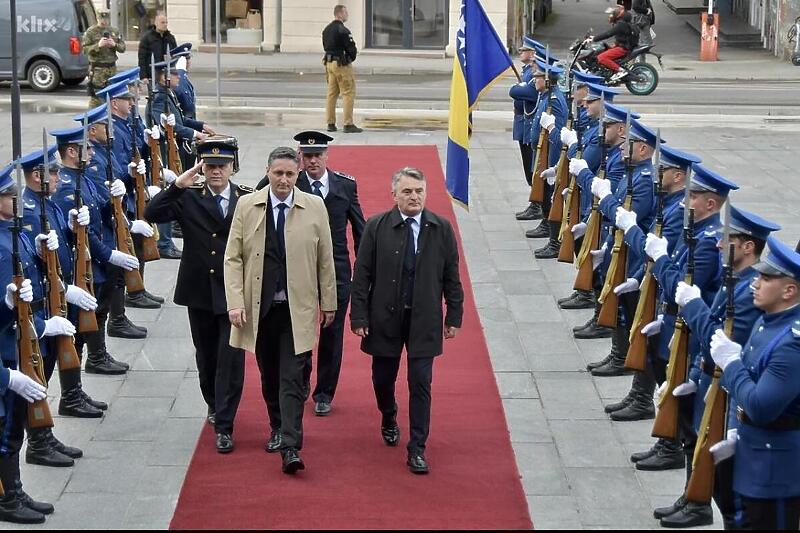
(96, 342)
(420, 377)
(13, 424)
(329, 351)
(723, 492)
(220, 366)
(766, 515)
(282, 375)
(114, 292)
(526, 151)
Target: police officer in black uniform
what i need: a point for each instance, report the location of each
(205, 209)
(340, 193)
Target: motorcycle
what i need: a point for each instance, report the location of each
(642, 78)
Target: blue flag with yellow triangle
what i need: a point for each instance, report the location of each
(481, 59)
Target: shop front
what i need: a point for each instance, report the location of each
(407, 24)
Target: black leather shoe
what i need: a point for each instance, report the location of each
(153, 297)
(69, 451)
(121, 329)
(97, 404)
(224, 443)
(567, 298)
(274, 443)
(390, 434)
(589, 323)
(134, 326)
(417, 464)
(665, 458)
(661, 512)
(140, 300)
(581, 300)
(332, 127)
(322, 408)
(550, 251)
(101, 364)
(47, 456)
(40, 507)
(211, 417)
(532, 212)
(639, 456)
(73, 404)
(638, 409)
(690, 515)
(614, 367)
(622, 404)
(291, 461)
(120, 364)
(598, 364)
(14, 510)
(593, 332)
(539, 232)
(169, 253)
(351, 128)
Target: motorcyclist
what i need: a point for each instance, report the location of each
(622, 31)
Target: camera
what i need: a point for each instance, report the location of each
(106, 34)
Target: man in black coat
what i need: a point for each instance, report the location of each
(155, 42)
(340, 194)
(205, 211)
(406, 264)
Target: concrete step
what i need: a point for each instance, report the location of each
(685, 7)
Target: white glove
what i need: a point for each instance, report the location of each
(128, 262)
(655, 247)
(138, 168)
(568, 137)
(686, 293)
(565, 192)
(167, 120)
(724, 350)
(25, 386)
(51, 241)
(25, 293)
(685, 389)
(58, 325)
(77, 296)
(625, 219)
(180, 64)
(81, 215)
(153, 190)
(598, 255)
(579, 230)
(725, 448)
(577, 165)
(601, 188)
(169, 176)
(140, 227)
(662, 389)
(154, 133)
(654, 327)
(117, 188)
(549, 175)
(629, 285)
(547, 120)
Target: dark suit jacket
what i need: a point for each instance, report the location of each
(343, 207)
(205, 233)
(376, 300)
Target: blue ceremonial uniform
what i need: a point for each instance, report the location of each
(560, 110)
(185, 94)
(591, 153)
(165, 102)
(527, 94)
(32, 226)
(671, 230)
(523, 106)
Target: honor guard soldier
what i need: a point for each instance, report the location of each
(101, 44)
(763, 379)
(205, 210)
(525, 98)
(184, 91)
(340, 194)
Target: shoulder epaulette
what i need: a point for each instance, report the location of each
(245, 188)
(200, 184)
(343, 175)
(796, 329)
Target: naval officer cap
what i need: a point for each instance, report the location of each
(674, 158)
(641, 133)
(129, 76)
(7, 183)
(161, 66)
(746, 223)
(35, 160)
(68, 135)
(706, 180)
(313, 142)
(554, 70)
(115, 90)
(585, 78)
(597, 91)
(218, 150)
(182, 50)
(616, 113)
(98, 115)
(781, 261)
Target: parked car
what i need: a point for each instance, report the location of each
(49, 34)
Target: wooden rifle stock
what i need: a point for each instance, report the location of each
(149, 244)
(67, 356)
(133, 279)
(540, 163)
(84, 279)
(572, 214)
(665, 425)
(609, 309)
(700, 488)
(562, 181)
(636, 358)
(173, 155)
(155, 161)
(591, 242)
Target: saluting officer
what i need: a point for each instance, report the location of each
(205, 210)
(764, 381)
(340, 194)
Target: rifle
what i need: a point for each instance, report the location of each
(543, 144)
(156, 177)
(700, 488)
(572, 211)
(562, 168)
(30, 361)
(591, 240)
(636, 357)
(666, 422)
(66, 354)
(173, 155)
(133, 279)
(84, 279)
(609, 311)
(149, 245)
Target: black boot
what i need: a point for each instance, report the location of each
(669, 456)
(581, 300)
(12, 503)
(97, 359)
(140, 300)
(119, 327)
(589, 323)
(551, 250)
(641, 407)
(604, 361)
(616, 365)
(592, 329)
(74, 404)
(567, 298)
(69, 451)
(541, 231)
(532, 212)
(690, 515)
(639, 456)
(27, 501)
(661, 512)
(41, 451)
(153, 297)
(97, 404)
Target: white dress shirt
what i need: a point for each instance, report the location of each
(226, 197)
(280, 296)
(323, 181)
(415, 227)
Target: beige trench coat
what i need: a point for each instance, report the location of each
(311, 278)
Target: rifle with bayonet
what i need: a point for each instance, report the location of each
(543, 143)
(616, 274)
(173, 153)
(149, 244)
(666, 423)
(30, 361)
(562, 168)
(84, 278)
(572, 208)
(636, 358)
(53, 280)
(591, 239)
(700, 488)
(122, 234)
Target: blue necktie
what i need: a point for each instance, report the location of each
(279, 228)
(219, 199)
(316, 185)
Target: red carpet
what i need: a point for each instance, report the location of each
(354, 481)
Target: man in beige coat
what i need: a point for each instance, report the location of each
(274, 309)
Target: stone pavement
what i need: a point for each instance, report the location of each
(572, 459)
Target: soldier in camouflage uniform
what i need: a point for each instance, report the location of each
(101, 43)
